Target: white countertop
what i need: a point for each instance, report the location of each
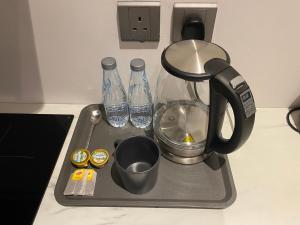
(266, 173)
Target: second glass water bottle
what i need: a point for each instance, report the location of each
(139, 96)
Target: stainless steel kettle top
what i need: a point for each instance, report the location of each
(186, 59)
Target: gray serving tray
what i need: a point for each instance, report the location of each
(204, 185)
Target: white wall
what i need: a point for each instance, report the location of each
(50, 50)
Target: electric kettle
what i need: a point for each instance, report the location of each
(192, 92)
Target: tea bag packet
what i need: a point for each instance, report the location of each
(90, 182)
(69, 190)
(80, 185)
(81, 182)
(76, 183)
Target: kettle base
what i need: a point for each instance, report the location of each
(184, 160)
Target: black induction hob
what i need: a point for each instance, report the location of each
(29, 147)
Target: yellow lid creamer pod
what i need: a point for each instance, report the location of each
(99, 157)
(80, 158)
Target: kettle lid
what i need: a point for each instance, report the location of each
(186, 59)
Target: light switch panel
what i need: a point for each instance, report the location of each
(139, 21)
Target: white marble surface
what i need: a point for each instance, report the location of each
(266, 173)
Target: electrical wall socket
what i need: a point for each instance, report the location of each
(182, 11)
(139, 21)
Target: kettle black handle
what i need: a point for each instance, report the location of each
(227, 85)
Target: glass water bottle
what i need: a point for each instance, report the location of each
(114, 96)
(139, 96)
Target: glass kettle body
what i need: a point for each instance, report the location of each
(191, 100)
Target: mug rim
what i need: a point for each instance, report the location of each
(139, 172)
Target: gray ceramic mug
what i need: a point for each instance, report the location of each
(137, 161)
